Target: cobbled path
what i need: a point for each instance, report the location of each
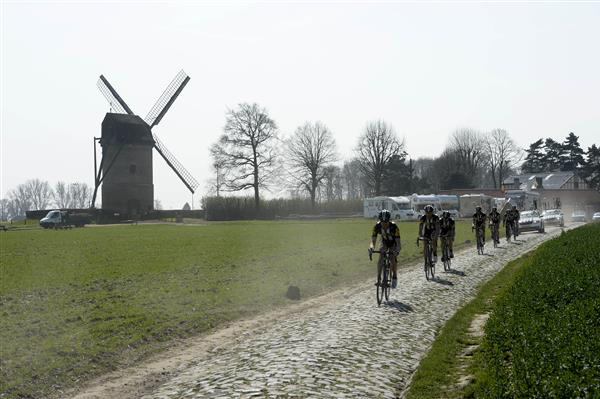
(348, 349)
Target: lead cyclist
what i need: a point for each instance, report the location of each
(390, 239)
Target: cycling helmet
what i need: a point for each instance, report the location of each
(385, 215)
(428, 209)
(494, 209)
(477, 208)
(514, 207)
(445, 214)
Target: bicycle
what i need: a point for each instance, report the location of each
(384, 275)
(495, 234)
(479, 236)
(428, 265)
(446, 253)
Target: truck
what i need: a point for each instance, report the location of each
(400, 207)
(469, 202)
(419, 202)
(523, 199)
(449, 203)
(58, 219)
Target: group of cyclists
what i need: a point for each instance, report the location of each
(432, 227)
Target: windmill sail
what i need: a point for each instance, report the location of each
(113, 98)
(185, 176)
(165, 101)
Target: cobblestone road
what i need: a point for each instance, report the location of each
(348, 349)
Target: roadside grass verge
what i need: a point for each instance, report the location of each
(438, 371)
(543, 335)
(78, 303)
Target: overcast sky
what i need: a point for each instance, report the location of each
(426, 68)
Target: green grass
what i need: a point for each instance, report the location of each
(78, 303)
(543, 337)
(438, 372)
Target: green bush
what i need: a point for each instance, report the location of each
(543, 337)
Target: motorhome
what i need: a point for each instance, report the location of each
(419, 202)
(449, 203)
(400, 207)
(469, 202)
(524, 200)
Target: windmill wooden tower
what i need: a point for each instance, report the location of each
(125, 169)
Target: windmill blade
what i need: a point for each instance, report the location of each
(113, 98)
(166, 99)
(185, 176)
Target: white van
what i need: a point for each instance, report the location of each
(400, 207)
(449, 203)
(469, 202)
(419, 202)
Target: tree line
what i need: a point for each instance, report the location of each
(252, 154)
(38, 194)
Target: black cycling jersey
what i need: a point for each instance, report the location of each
(447, 226)
(479, 219)
(429, 225)
(494, 217)
(389, 235)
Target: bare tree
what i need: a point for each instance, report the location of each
(468, 146)
(353, 178)
(158, 205)
(80, 194)
(247, 149)
(21, 201)
(311, 149)
(376, 147)
(4, 208)
(501, 154)
(40, 193)
(61, 195)
(217, 184)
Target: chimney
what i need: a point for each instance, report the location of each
(538, 183)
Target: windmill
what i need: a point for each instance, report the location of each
(125, 169)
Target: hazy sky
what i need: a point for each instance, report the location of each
(427, 68)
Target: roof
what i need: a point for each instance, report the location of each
(550, 180)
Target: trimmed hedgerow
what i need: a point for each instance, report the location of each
(543, 337)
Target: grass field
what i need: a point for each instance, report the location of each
(78, 303)
(543, 336)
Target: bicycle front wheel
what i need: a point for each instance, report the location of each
(379, 286)
(388, 282)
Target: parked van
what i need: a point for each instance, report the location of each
(469, 202)
(524, 200)
(449, 203)
(419, 202)
(400, 207)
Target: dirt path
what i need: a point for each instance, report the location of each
(340, 344)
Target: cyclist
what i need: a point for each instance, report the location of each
(511, 221)
(479, 222)
(447, 231)
(516, 217)
(429, 227)
(390, 239)
(495, 221)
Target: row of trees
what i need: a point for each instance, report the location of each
(251, 155)
(38, 194)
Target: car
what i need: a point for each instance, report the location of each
(531, 221)
(553, 216)
(596, 217)
(578, 216)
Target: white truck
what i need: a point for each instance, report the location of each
(400, 207)
(524, 200)
(449, 203)
(57, 219)
(469, 202)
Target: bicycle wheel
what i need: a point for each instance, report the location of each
(432, 269)
(387, 277)
(379, 286)
(428, 261)
(446, 255)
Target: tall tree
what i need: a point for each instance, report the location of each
(353, 179)
(591, 169)
(534, 160)
(501, 154)
(80, 195)
(467, 145)
(4, 209)
(554, 157)
(311, 150)
(397, 177)
(61, 195)
(247, 148)
(40, 193)
(376, 148)
(573, 154)
(20, 201)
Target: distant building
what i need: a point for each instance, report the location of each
(545, 181)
